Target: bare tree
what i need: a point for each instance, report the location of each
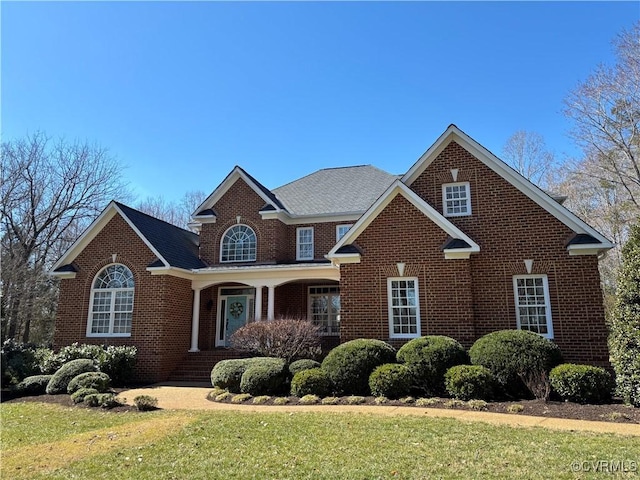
(177, 213)
(527, 153)
(50, 192)
(605, 109)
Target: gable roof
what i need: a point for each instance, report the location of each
(544, 200)
(205, 210)
(333, 191)
(173, 246)
(459, 246)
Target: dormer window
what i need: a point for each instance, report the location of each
(238, 244)
(456, 199)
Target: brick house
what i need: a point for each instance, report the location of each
(460, 245)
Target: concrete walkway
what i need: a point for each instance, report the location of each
(181, 396)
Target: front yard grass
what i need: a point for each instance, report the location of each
(197, 445)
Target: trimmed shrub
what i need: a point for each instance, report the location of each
(466, 382)
(98, 380)
(145, 403)
(104, 400)
(286, 338)
(60, 380)
(624, 328)
(581, 383)
(512, 355)
(314, 381)
(266, 376)
(391, 380)
(79, 395)
(226, 374)
(429, 358)
(349, 365)
(304, 364)
(34, 385)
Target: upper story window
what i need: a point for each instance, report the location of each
(456, 199)
(341, 231)
(533, 308)
(404, 308)
(238, 244)
(111, 305)
(304, 244)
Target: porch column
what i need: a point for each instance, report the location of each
(270, 307)
(258, 303)
(195, 321)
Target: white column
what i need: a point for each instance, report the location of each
(258, 303)
(271, 298)
(195, 321)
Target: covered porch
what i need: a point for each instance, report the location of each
(227, 298)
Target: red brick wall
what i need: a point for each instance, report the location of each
(509, 227)
(161, 311)
(324, 238)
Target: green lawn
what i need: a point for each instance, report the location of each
(176, 445)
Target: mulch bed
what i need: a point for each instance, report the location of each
(613, 412)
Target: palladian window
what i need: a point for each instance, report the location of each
(238, 245)
(111, 306)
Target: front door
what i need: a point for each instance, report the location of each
(236, 308)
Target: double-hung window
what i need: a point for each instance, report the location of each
(304, 244)
(324, 309)
(456, 199)
(404, 307)
(111, 306)
(533, 308)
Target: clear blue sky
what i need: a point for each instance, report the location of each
(182, 92)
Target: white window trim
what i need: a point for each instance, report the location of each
(338, 227)
(112, 305)
(390, 308)
(547, 302)
(310, 313)
(444, 199)
(222, 244)
(298, 252)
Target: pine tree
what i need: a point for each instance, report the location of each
(624, 337)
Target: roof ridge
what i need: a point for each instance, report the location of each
(119, 204)
(332, 168)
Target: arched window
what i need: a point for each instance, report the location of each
(238, 244)
(111, 306)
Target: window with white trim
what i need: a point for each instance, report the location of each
(238, 244)
(304, 244)
(324, 309)
(456, 199)
(404, 308)
(341, 231)
(533, 308)
(111, 305)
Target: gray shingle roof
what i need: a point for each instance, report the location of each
(177, 246)
(335, 190)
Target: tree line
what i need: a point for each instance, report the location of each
(52, 190)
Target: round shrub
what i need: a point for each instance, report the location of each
(104, 400)
(98, 380)
(304, 364)
(34, 385)
(350, 364)
(391, 380)
(313, 381)
(466, 382)
(79, 395)
(265, 376)
(514, 354)
(581, 383)
(429, 358)
(145, 403)
(60, 380)
(226, 374)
